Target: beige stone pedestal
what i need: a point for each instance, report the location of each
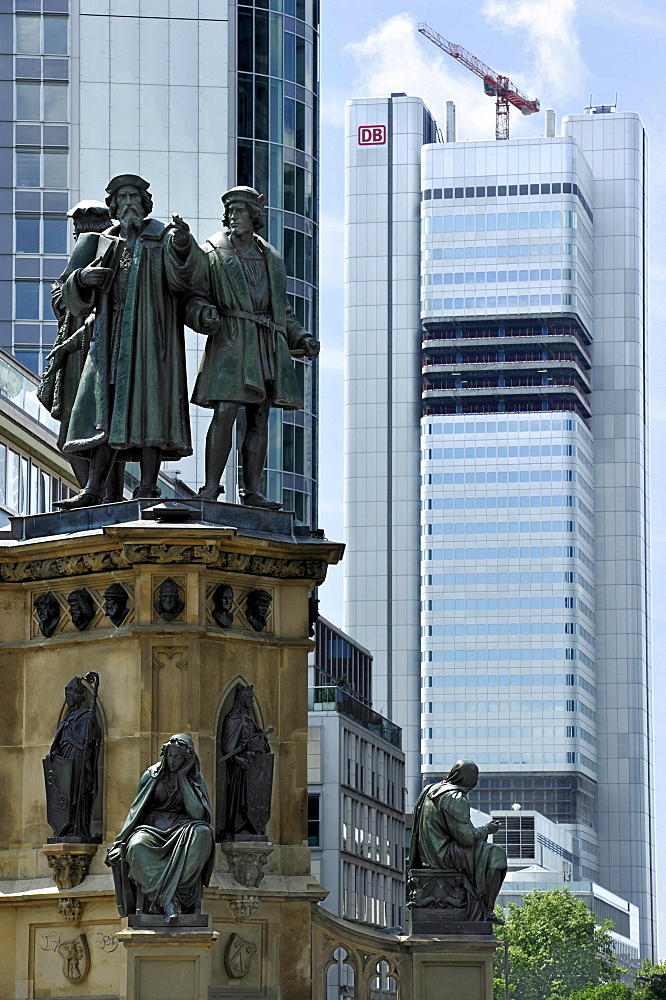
(165, 964)
(453, 967)
(160, 674)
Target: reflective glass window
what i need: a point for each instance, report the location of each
(28, 40)
(55, 35)
(55, 236)
(245, 41)
(27, 299)
(55, 102)
(28, 168)
(261, 42)
(55, 169)
(27, 101)
(289, 56)
(245, 105)
(27, 234)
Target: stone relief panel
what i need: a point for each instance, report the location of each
(68, 961)
(234, 608)
(168, 598)
(170, 686)
(81, 609)
(240, 958)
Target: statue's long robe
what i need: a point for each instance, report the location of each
(443, 836)
(237, 730)
(167, 860)
(148, 404)
(231, 367)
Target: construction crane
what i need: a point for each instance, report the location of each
(494, 85)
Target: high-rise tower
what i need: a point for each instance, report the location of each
(530, 395)
(195, 96)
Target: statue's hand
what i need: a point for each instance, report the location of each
(493, 826)
(311, 347)
(187, 767)
(181, 232)
(242, 762)
(93, 276)
(113, 856)
(209, 319)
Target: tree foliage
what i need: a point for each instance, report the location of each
(655, 987)
(555, 948)
(605, 991)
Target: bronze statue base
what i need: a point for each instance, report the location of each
(435, 921)
(148, 920)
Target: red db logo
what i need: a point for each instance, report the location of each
(371, 135)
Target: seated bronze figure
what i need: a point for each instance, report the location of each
(451, 865)
(163, 856)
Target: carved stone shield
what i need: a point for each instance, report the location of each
(259, 791)
(75, 959)
(60, 792)
(238, 956)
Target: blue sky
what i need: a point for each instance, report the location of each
(561, 51)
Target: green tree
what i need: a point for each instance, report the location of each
(605, 991)
(650, 982)
(555, 947)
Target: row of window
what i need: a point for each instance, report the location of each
(26, 488)
(371, 833)
(305, 10)
(504, 603)
(37, 234)
(515, 707)
(509, 628)
(512, 653)
(497, 732)
(493, 503)
(500, 680)
(501, 250)
(530, 759)
(500, 301)
(491, 222)
(492, 579)
(513, 551)
(42, 102)
(33, 300)
(265, 114)
(506, 190)
(41, 35)
(524, 476)
(372, 898)
(505, 426)
(263, 47)
(506, 707)
(481, 277)
(373, 771)
(36, 168)
(497, 528)
(509, 451)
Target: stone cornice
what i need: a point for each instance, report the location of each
(123, 547)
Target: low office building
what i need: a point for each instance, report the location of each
(356, 778)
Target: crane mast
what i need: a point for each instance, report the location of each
(494, 84)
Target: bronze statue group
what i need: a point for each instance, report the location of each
(162, 858)
(116, 377)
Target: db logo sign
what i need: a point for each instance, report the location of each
(371, 135)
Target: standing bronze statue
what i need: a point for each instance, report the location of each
(131, 401)
(165, 850)
(249, 762)
(60, 380)
(240, 301)
(451, 866)
(70, 768)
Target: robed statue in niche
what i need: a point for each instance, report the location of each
(70, 767)
(249, 763)
(163, 856)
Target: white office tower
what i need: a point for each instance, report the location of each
(384, 139)
(531, 400)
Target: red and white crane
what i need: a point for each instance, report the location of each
(494, 84)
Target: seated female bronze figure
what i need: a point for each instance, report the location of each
(165, 849)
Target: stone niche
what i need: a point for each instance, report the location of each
(159, 675)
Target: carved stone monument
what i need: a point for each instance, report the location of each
(249, 762)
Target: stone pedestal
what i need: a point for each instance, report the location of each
(159, 675)
(453, 967)
(70, 863)
(167, 964)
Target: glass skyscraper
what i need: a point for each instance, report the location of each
(525, 401)
(196, 97)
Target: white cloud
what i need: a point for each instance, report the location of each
(558, 70)
(395, 58)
